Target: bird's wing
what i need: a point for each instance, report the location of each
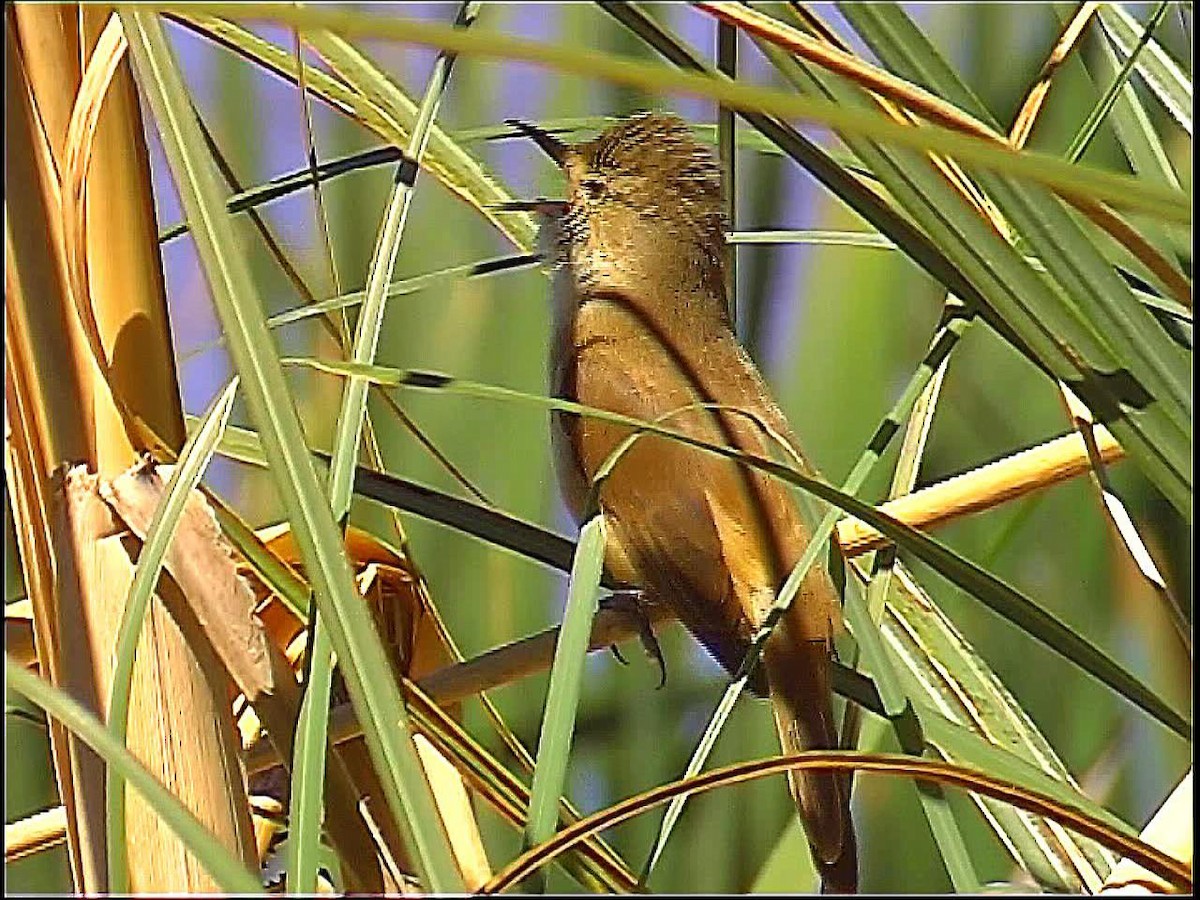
(712, 537)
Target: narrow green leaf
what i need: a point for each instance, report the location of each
(197, 450)
(1080, 328)
(566, 676)
(1118, 190)
(379, 103)
(975, 580)
(955, 324)
(306, 806)
(398, 288)
(943, 670)
(1101, 110)
(364, 661)
(302, 180)
(387, 248)
(308, 772)
(1165, 76)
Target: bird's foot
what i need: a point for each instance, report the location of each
(628, 601)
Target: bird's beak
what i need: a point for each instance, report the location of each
(551, 146)
(540, 205)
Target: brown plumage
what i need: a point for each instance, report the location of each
(642, 328)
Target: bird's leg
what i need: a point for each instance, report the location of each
(628, 602)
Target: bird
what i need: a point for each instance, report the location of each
(641, 327)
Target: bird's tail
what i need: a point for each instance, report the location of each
(798, 675)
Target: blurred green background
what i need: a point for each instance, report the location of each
(837, 331)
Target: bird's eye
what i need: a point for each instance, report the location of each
(593, 186)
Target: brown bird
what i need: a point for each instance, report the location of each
(641, 327)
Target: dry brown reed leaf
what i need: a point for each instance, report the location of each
(982, 488)
(94, 550)
(1022, 127)
(201, 564)
(33, 834)
(204, 578)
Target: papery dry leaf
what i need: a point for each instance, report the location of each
(201, 563)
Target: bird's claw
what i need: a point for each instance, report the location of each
(628, 601)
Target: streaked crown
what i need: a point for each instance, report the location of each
(653, 164)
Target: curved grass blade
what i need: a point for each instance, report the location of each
(301, 179)
(566, 675)
(595, 867)
(1176, 872)
(379, 104)
(994, 593)
(946, 674)
(994, 715)
(226, 869)
(399, 288)
(193, 460)
(535, 543)
(354, 637)
(1118, 190)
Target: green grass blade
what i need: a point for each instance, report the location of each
(1066, 338)
(898, 709)
(302, 180)
(1111, 94)
(1118, 190)
(398, 288)
(308, 773)
(908, 614)
(387, 248)
(954, 324)
(975, 580)
(961, 743)
(304, 851)
(944, 671)
(566, 676)
(1165, 76)
(197, 450)
(225, 868)
(864, 617)
(377, 699)
(814, 237)
(457, 169)
(375, 100)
